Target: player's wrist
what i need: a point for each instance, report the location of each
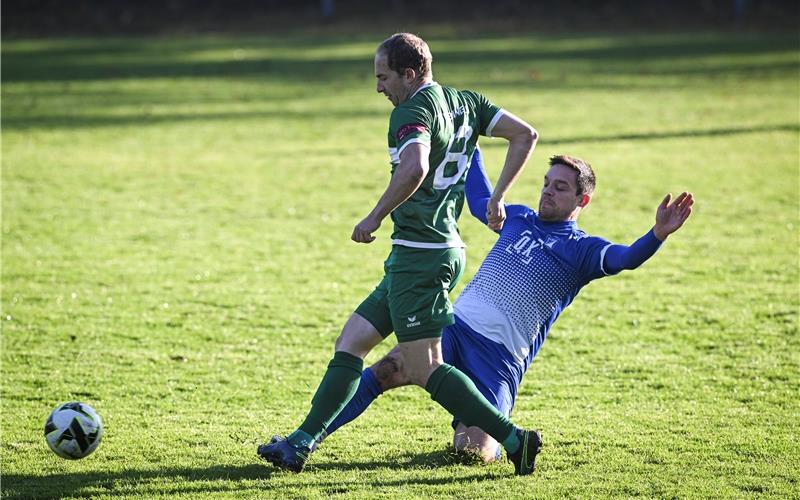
(496, 198)
(660, 233)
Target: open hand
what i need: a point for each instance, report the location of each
(671, 215)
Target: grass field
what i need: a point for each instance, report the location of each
(176, 217)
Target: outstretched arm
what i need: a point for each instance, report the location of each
(521, 141)
(670, 216)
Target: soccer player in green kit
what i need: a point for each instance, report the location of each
(433, 132)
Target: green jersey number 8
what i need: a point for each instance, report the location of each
(456, 154)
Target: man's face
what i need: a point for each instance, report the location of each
(558, 200)
(395, 87)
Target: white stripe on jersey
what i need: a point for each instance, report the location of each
(419, 244)
(412, 141)
(494, 121)
(603, 259)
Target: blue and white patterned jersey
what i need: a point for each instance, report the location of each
(532, 273)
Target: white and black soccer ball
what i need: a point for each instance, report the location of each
(73, 430)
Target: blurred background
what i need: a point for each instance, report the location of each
(62, 17)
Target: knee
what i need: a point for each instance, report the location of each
(358, 337)
(390, 371)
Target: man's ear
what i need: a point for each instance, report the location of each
(585, 199)
(410, 74)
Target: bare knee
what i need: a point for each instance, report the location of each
(420, 359)
(474, 441)
(358, 337)
(390, 370)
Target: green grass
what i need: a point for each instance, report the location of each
(175, 252)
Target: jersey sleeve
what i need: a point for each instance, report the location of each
(619, 257)
(592, 258)
(478, 190)
(409, 125)
(487, 113)
(603, 258)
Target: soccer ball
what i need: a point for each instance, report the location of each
(73, 430)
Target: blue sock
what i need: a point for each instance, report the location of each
(368, 390)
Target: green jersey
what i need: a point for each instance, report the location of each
(448, 121)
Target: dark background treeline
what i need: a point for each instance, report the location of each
(97, 17)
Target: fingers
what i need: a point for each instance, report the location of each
(685, 206)
(683, 202)
(361, 236)
(496, 226)
(665, 201)
(681, 198)
(495, 215)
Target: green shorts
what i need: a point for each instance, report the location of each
(413, 298)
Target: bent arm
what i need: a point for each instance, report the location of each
(521, 141)
(407, 178)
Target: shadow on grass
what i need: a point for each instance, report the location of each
(785, 127)
(89, 60)
(297, 62)
(224, 478)
(65, 484)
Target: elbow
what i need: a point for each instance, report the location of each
(526, 138)
(413, 173)
(532, 136)
(417, 173)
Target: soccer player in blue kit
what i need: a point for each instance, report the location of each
(538, 265)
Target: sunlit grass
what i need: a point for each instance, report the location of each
(175, 252)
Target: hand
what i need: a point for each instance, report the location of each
(362, 233)
(670, 216)
(495, 214)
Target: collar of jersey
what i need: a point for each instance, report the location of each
(431, 84)
(561, 226)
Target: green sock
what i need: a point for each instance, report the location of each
(512, 442)
(449, 387)
(337, 388)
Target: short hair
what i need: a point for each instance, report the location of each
(406, 50)
(586, 178)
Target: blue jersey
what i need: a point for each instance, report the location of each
(532, 273)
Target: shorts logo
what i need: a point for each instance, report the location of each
(410, 129)
(412, 321)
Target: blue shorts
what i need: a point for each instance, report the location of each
(487, 363)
